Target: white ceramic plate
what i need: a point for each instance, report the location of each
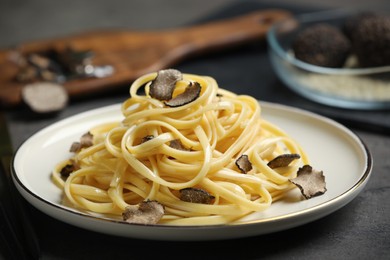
(343, 157)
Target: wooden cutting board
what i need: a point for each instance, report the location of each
(134, 53)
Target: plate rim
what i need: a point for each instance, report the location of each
(341, 200)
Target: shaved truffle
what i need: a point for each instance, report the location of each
(147, 138)
(195, 195)
(45, 97)
(283, 160)
(190, 94)
(58, 65)
(69, 168)
(322, 45)
(163, 85)
(86, 140)
(311, 182)
(176, 144)
(147, 212)
(244, 164)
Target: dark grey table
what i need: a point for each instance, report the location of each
(360, 230)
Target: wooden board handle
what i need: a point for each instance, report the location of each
(134, 53)
(226, 33)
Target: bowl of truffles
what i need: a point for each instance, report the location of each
(338, 58)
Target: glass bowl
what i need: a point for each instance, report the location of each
(347, 87)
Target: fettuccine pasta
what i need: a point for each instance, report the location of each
(133, 160)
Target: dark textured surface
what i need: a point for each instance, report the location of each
(360, 230)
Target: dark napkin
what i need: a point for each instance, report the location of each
(247, 70)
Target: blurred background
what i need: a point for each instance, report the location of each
(22, 20)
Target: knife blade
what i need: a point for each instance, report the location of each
(18, 237)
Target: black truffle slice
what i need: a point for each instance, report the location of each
(45, 97)
(147, 138)
(244, 164)
(176, 144)
(311, 182)
(195, 195)
(322, 45)
(69, 168)
(147, 212)
(163, 85)
(371, 41)
(190, 94)
(86, 140)
(283, 160)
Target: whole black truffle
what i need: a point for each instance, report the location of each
(371, 41)
(322, 45)
(352, 23)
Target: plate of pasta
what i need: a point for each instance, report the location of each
(183, 159)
